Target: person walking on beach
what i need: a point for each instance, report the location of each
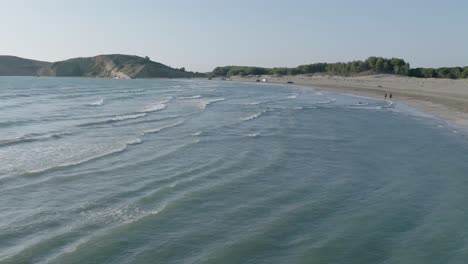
(390, 96)
(385, 96)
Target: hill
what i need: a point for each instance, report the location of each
(16, 66)
(103, 66)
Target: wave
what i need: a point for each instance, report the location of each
(389, 104)
(252, 103)
(252, 117)
(159, 129)
(32, 138)
(126, 117)
(106, 218)
(204, 103)
(197, 133)
(96, 103)
(158, 106)
(154, 108)
(330, 101)
(189, 97)
(135, 141)
(131, 91)
(121, 148)
(114, 119)
(257, 103)
(253, 135)
(287, 108)
(10, 123)
(153, 120)
(293, 96)
(368, 107)
(360, 104)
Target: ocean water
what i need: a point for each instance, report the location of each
(191, 171)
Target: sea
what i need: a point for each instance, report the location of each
(197, 171)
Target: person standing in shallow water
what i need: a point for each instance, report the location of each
(385, 96)
(390, 96)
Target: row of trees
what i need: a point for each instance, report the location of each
(371, 65)
(451, 73)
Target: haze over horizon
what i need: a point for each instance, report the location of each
(201, 36)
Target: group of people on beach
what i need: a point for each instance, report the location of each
(389, 96)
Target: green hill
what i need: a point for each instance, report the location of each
(16, 66)
(103, 66)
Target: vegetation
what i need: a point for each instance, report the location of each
(451, 73)
(373, 65)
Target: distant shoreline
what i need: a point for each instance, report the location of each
(444, 98)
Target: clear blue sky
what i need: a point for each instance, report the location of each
(207, 33)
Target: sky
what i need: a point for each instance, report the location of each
(202, 34)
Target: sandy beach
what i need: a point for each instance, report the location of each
(444, 98)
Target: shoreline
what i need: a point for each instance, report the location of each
(443, 98)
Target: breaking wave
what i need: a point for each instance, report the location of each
(189, 97)
(113, 119)
(159, 129)
(204, 103)
(32, 138)
(96, 103)
(252, 117)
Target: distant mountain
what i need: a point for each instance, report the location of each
(104, 66)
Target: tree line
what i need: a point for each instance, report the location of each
(376, 65)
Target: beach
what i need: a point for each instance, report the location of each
(444, 98)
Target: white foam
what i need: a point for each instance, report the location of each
(365, 107)
(389, 104)
(253, 103)
(154, 108)
(252, 117)
(158, 106)
(360, 104)
(189, 97)
(204, 103)
(133, 91)
(115, 119)
(197, 133)
(293, 96)
(96, 103)
(159, 129)
(253, 135)
(330, 101)
(109, 217)
(125, 117)
(118, 149)
(135, 141)
(256, 103)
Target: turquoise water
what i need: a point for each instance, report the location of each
(165, 171)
